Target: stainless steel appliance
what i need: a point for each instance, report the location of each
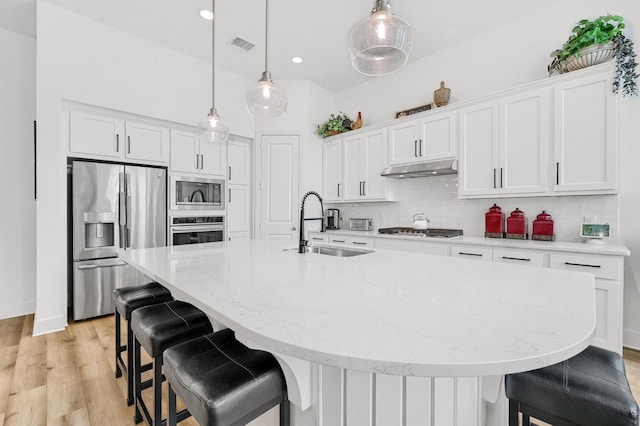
(112, 206)
(356, 224)
(333, 219)
(196, 229)
(191, 193)
(431, 232)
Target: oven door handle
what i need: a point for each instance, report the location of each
(189, 228)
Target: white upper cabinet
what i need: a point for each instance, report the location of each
(190, 155)
(91, 133)
(112, 137)
(364, 157)
(429, 138)
(239, 162)
(332, 188)
(585, 135)
(503, 146)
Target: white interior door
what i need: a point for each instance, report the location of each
(278, 187)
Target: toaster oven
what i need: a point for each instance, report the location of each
(359, 224)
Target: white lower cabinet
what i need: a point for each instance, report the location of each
(351, 240)
(413, 246)
(472, 252)
(608, 271)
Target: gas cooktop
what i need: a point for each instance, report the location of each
(432, 232)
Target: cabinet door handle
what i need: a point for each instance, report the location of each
(420, 146)
(364, 188)
(360, 187)
(358, 243)
(338, 190)
(229, 195)
(128, 144)
(201, 161)
(523, 259)
(229, 172)
(557, 173)
(415, 148)
(117, 143)
(501, 185)
(462, 253)
(494, 179)
(586, 265)
(197, 161)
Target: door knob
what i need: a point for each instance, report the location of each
(293, 228)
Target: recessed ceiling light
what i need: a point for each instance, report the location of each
(296, 60)
(206, 14)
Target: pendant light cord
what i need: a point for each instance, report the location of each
(213, 52)
(266, 38)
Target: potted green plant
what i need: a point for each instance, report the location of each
(597, 41)
(334, 125)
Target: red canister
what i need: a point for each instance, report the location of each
(517, 225)
(494, 222)
(543, 228)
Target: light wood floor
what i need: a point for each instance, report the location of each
(67, 378)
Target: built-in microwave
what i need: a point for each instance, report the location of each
(194, 193)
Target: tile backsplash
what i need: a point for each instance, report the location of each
(437, 198)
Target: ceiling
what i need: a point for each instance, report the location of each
(316, 32)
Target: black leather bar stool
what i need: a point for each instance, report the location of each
(156, 328)
(589, 389)
(126, 300)
(222, 382)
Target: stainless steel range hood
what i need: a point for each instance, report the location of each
(430, 168)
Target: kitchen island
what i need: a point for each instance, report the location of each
(401, 325)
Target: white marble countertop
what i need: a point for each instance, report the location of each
(386, 311)
(608, 248)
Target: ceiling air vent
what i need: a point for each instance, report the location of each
(242, 44)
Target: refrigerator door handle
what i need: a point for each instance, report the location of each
(128, 209)
(122, 213)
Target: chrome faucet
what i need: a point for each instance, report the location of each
(303, 242)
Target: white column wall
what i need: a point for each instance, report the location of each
(18, 207)
(83, 60)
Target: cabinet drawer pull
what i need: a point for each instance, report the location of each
(338, 241)
(516, 258)
(359, 243)
(582, 264)
(462, 253)
(317, 238)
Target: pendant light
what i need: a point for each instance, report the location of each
(213, 129)
(379, 44)
(265, 100)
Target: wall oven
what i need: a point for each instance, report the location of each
(192, 193)
(196, 230)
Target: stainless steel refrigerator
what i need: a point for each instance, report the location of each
(112, 206)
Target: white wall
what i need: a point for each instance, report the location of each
(85, 61)
(497, 60)
(18, 209)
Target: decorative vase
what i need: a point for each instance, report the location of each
(441, 95)
(591, 55)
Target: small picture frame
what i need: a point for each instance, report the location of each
(594, 230)
(415, 110)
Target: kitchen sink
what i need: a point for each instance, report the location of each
(336, 251)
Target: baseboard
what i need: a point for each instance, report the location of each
(17, 310)
(48, 325)
(631, 339)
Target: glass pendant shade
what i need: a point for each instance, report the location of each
(213, 129)
(266, 101)
(380, 44)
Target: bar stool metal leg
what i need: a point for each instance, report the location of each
(137, 418)
(118, 346)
